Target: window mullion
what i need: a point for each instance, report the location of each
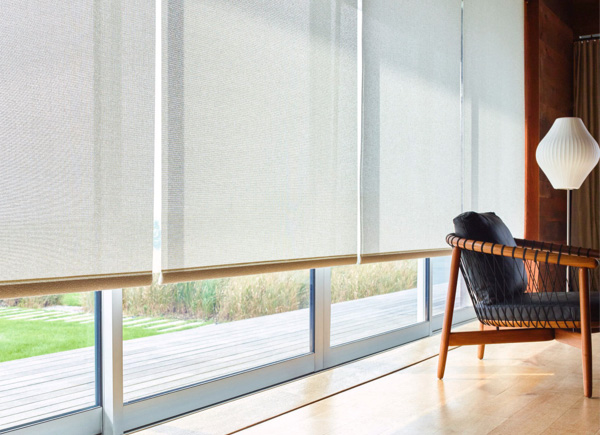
(112, 362)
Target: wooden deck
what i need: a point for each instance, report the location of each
(43, 386)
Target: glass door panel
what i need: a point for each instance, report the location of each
(372, 299)
(47, 357)
(183, 334)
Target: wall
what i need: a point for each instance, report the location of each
(586, 17)
(556, 100)
(549, 77)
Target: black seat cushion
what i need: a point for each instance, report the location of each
(493, 279)
(541, 307)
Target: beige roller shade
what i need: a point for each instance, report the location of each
(412, 151)
(76, 145)
(260, 137)
(494, 109)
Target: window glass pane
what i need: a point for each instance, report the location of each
(182, 334)
(47, 357)
(440, 273)
(370, 299)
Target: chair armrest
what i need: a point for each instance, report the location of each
(551, 247)
(522, 253)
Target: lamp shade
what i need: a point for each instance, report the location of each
(568, 153)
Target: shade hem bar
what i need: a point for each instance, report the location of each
(175, 276)
(72, 285)
(397, 256)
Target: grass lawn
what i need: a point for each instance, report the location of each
(25, 338)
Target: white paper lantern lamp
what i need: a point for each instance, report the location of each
(568, 153)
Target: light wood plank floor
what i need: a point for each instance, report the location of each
(533, 388)
(48, 385)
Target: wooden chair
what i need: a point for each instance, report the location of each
(539, 291)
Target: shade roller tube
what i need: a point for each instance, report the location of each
(76, 145)
(412, 162)
(494, 109)
(260, 134)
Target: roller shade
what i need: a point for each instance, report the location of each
(260, 137)
(412, 152)
(76, 145)
(494, 109)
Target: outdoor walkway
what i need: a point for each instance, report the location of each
(48, 385)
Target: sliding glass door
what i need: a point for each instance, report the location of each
(48, 362)
(190, 345)
(374, 299)
(378, 306)
(186, 334)
(193, 344)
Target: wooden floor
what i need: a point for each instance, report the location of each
(533, 388)
(43, 386)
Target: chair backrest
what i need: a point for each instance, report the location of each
(490, 279)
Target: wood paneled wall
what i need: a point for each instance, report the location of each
(556, 100)
(549, 95)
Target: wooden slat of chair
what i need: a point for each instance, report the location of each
(497, 337)
(566, 249)
(522, 253)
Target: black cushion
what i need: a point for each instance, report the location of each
(492, 278)
(542, 307)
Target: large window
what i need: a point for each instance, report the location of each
(292, 141)
(178, 336)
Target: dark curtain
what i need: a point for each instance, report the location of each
(586, 200)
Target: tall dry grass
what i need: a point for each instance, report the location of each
(222, 300)
(357, 282)
(244, 297)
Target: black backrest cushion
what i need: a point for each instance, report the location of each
(493, 279)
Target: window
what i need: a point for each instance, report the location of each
(291, 140)
(373, 299)
(183, 334)
(47, 357)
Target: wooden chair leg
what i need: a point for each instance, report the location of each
(449, 312)
(586, 331)
(481, 347)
